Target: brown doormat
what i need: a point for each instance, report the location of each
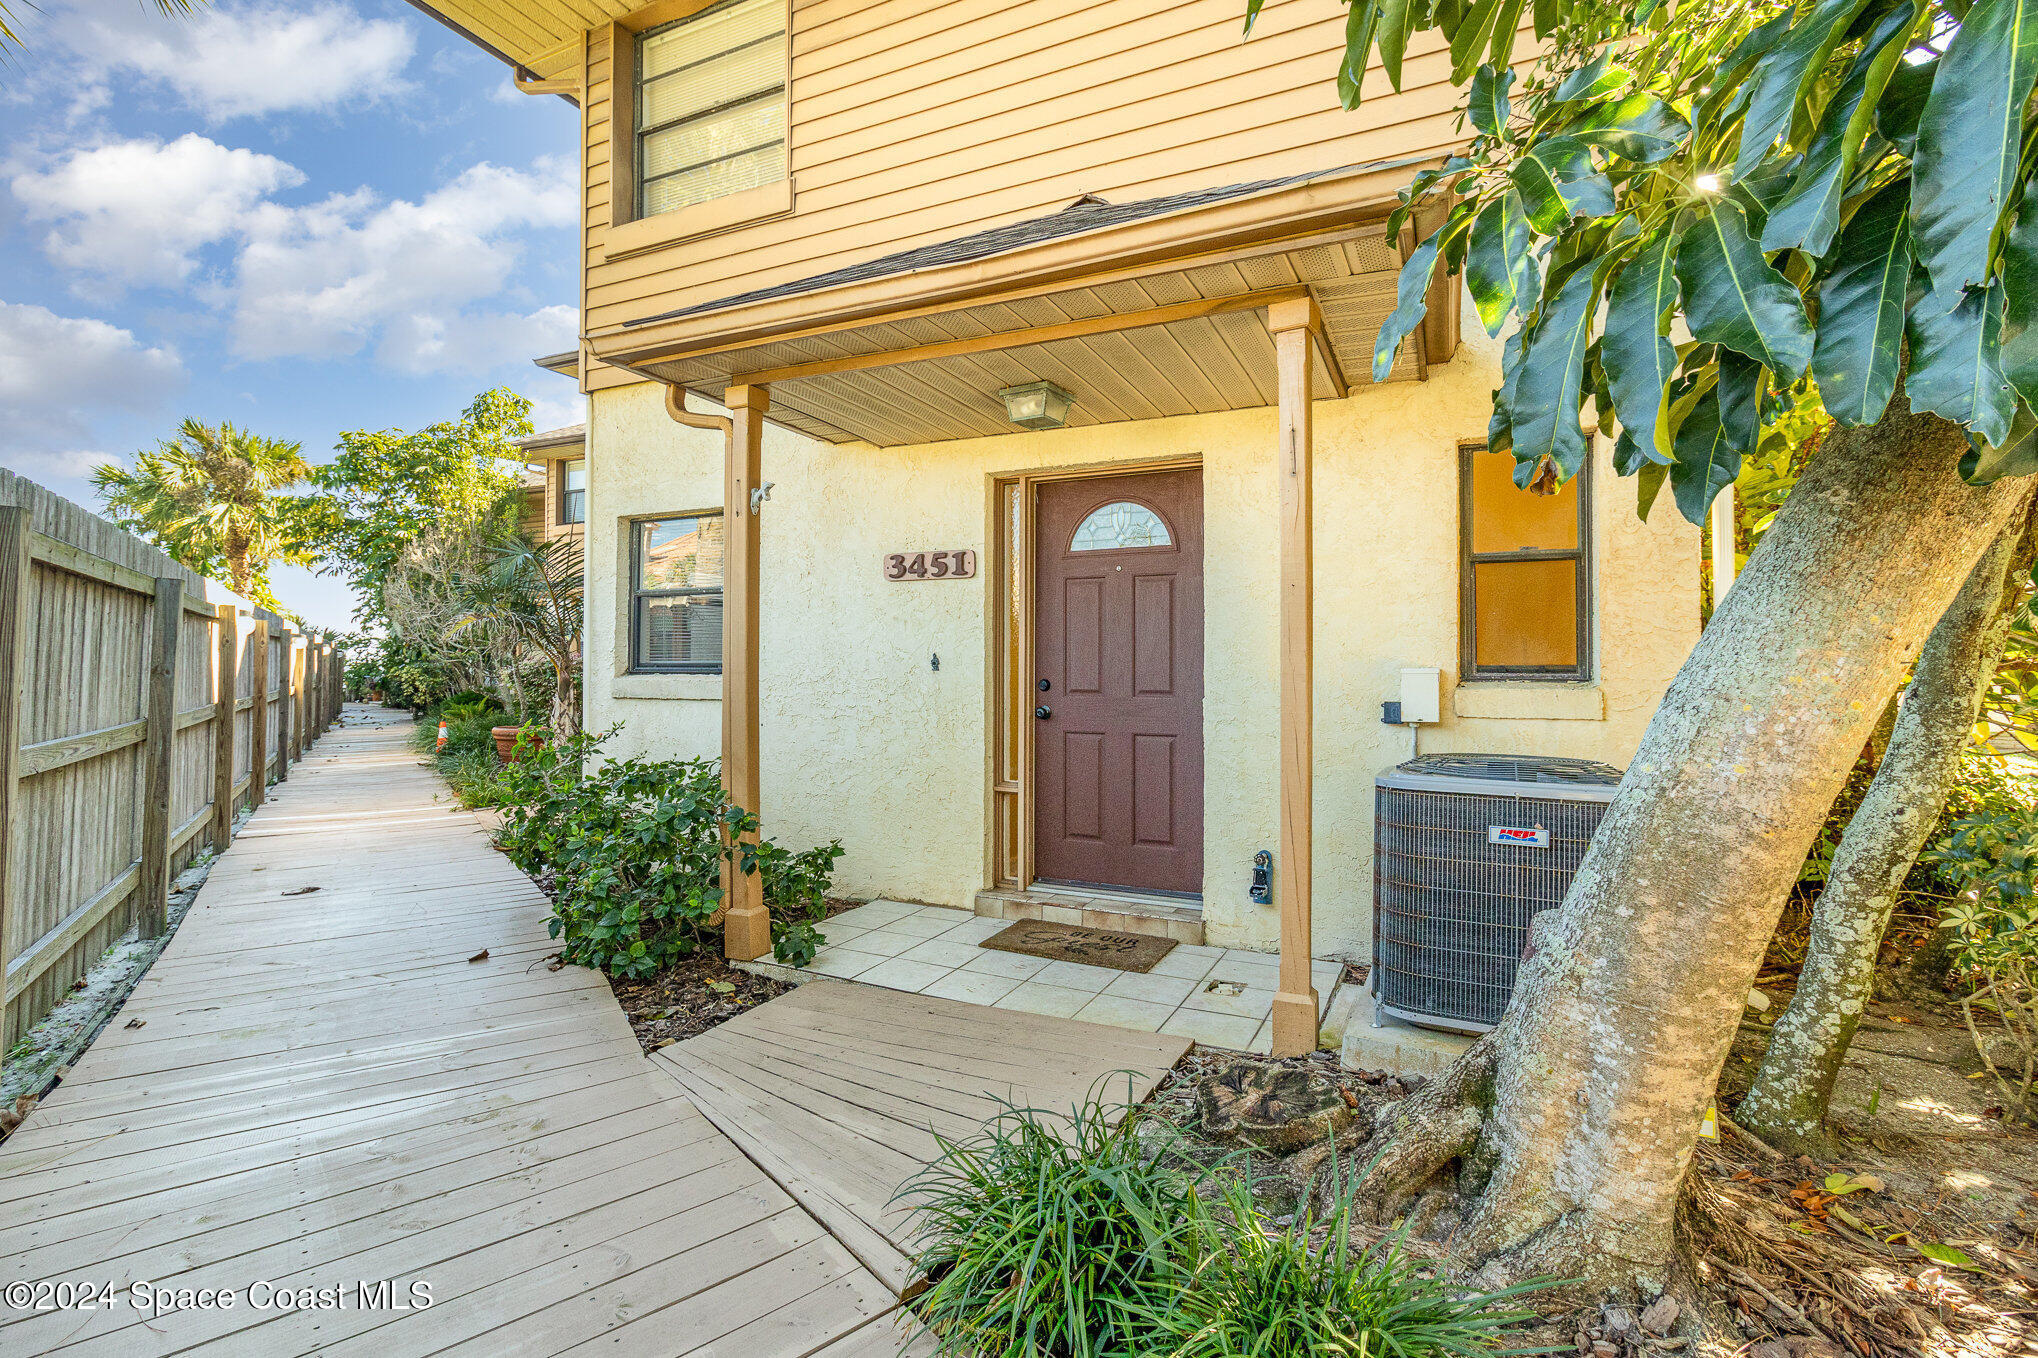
(1074, 943)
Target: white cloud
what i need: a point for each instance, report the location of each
(72, 464)
(431, 285)
(58, 372)
(556, 409)
(138, 211)
(333, 277)
(475, 342)
(244, 60)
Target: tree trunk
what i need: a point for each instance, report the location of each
(565, 719)
(1787, 1103)
(1573, 1151)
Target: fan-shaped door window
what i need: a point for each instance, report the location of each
(1122, 523)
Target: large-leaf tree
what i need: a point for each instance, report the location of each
(1677, 214)
(385, 489)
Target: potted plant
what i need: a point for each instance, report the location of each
(506, 740)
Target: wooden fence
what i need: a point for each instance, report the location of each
(137, 699)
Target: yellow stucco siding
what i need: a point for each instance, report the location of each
(863, 740)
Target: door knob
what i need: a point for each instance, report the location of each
(1043, 712)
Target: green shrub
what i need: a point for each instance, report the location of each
(1261, 1292)
(475, 777)
(1051, 1235)
(1988, 859)
(636, 848)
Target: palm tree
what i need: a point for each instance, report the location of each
(531, 595)
(209, 498)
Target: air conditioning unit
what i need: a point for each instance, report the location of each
(1467, 849)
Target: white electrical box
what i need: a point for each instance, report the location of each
(1422, 695)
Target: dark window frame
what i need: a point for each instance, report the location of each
(1470, 671)
(639, 81)
(566, 515)
(638, 594)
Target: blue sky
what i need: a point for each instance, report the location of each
(303, 216)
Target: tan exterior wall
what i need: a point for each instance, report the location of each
(540, 517)
(863, 740)
(913, 121)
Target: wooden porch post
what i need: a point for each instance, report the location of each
(1294, 325)
(746, 931)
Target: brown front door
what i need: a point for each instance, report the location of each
(1118, 738)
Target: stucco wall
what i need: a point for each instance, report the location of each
(864, 740)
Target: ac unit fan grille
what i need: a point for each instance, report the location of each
(1454, 910)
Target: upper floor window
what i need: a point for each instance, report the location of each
(1526, 573)
(711, 105)
(573, 491)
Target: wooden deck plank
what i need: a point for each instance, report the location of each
(839, 1090)
(323, 1089)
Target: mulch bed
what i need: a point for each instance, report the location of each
(688, 999)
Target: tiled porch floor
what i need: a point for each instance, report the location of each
(933, 950)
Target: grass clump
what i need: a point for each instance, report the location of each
(1050, 1234)
(1063, 1236)
(1260, 1291)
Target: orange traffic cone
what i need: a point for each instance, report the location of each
(442, 735)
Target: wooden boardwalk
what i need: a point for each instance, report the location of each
(323, 1091)
(839, 1090)
(322, 1087)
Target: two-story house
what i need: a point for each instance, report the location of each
(983, 459)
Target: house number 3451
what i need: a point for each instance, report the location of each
(959, 565)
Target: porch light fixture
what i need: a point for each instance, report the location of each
(1037, 405)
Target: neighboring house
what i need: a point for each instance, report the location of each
(555, 482)
(971, 385)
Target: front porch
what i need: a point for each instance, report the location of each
(1217, 997)
(1264, 300)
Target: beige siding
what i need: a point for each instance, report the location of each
(915, 121)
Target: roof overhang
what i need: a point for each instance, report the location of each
(1158, 316)
(540, 40)
(553, 444)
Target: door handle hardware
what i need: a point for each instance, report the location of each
(1043, 712)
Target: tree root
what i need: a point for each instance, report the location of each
(1409, 1153)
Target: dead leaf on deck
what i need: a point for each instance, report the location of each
(137, 1023)
(302, 891)
(481, 956)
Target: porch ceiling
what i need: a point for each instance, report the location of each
(1172, 342)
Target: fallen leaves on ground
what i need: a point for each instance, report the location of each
(689, 998)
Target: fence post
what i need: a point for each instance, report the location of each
(14, 576)
(283, 722)
(300, 710)
(226, 688)
(157, 746)
(258, 728)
